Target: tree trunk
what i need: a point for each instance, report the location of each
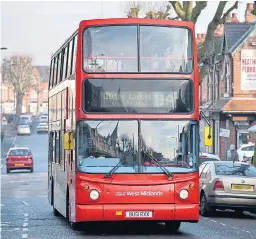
(18, 108)
(38, 103)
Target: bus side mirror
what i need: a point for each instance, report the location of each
(208, 136)
(69, 141)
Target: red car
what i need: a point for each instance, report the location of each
(19, 158)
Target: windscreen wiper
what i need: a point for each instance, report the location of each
(169, 174)
(112, 171)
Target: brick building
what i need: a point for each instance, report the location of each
(35, 99)
(228, 92)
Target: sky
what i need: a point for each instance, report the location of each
(39, 28)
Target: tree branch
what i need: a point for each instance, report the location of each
(218, 18)
(224, 17)
(178, 9)
(189, 11)
(197, 10)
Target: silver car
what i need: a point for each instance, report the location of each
(227, 185)
(42, 128)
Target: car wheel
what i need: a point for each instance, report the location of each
(253, 211)
(32, 170)
(172, 226)
(205, 210)
(7, 170)
(239, 212)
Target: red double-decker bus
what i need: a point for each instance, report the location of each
(124, 123)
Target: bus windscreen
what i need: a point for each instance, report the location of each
(132, 48)
(139, 96)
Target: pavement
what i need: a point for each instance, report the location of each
(26, 213)
(9, 138)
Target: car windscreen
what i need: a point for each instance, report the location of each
(19, 152)
(202, 159)
(235, 169)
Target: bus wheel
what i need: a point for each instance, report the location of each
(172, 226)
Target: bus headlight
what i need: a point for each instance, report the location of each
(183, 194)
(94, 194)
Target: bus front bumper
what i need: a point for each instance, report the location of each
(138, 212)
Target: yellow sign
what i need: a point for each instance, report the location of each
(69, 141)
(208, 136)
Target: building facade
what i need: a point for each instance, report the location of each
(228, 92)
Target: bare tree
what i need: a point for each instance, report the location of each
(157, 10)
(17, 72)
(36, 86)
(152, 10)
(132, 9)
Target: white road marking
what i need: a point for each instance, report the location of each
(2, 205)
(236, 228)
(25, 224)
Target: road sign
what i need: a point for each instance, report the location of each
(224, 133)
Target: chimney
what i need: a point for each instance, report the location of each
(234, 17)
(249, 6)
(249, 17)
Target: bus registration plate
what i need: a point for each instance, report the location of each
(139, 214)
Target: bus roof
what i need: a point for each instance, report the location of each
(124, 21)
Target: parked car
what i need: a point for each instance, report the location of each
(43, 118)
(246, 152)
(23, 129)
(42, 127)
(205, 157)
(227, 185)
(27, 119)
(19, 158)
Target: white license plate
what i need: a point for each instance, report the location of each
(139, 214)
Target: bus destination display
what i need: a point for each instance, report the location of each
(138, 99)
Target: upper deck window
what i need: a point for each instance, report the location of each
(117, 49)
(111, 49)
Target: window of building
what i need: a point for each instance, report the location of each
(33, 95)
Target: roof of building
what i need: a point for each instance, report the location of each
(239, 105)
(219, 105)
(44, 72)
(236, 33)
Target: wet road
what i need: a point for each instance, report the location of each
(27, 214)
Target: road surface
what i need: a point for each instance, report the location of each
(27, 214)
